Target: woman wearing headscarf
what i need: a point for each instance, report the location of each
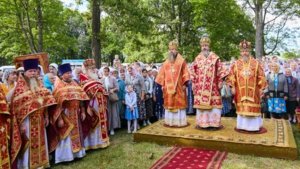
(112, 87)
(277, 92)
(9, 81)
(48, 81)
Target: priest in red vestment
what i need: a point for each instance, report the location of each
(97, 106)
(248, 81)
(207, 73)
(173, 77)
(29, 106)
(4, 132)
(68, 117)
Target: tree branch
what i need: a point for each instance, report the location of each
(29, 26)
(278, 15)
(277, 37)
(19, 16)
(251, 6)
(266, 10)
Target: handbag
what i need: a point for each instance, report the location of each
(113, 97)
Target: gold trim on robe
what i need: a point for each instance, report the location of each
(26, 103)
(94, 89)
(4, 132)
(68, 96)
(172, 77)
(249, 80)
(207, 75)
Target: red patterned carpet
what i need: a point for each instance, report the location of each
(190, 158)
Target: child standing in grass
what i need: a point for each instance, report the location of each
(131, 108)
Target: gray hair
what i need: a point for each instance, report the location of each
(6, 74)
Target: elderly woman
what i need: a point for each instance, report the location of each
(277, 92)
(9, 81)
(137, 81)
(53, 68)
(112, 87)
(48, 81)
(76, 73)
(294, 95)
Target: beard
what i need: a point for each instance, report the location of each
(92, 75)
(33, 84)
(205, 53)
(172, 56)
(245, 58)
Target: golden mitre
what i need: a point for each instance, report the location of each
(174, 44)
(245, 45)
(205, 40)
(89, 63)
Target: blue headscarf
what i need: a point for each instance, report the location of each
(47, 83)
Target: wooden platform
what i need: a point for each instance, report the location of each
(277, 142)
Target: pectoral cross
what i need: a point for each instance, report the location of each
(172, 69)
(246, 72)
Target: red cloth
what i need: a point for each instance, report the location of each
(182, 158)
(207, 75)
(172, 77)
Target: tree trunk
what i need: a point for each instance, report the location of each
(40, 25)
(180, 23)
(96, 32)
(20, 14)
(259, 36)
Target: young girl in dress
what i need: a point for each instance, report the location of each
(131, 108)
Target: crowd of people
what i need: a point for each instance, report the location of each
(59, 115)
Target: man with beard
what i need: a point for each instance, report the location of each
(207, 76)
(97, 106)
(68, 117)
(4, 132)
(247, 80)
(29, 106)
(173, 77)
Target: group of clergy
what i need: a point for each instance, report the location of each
(65, 123)
(70, 117)
(245, 78)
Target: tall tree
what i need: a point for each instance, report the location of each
(40, 24)
(270, 18)
(96, 44)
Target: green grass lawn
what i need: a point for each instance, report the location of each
(123, 153)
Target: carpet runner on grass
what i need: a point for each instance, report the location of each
(190, 158)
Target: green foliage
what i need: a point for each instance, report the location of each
(64, 30)
(226, 24)
(122, 153)
(291, 55)
(135, 30)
